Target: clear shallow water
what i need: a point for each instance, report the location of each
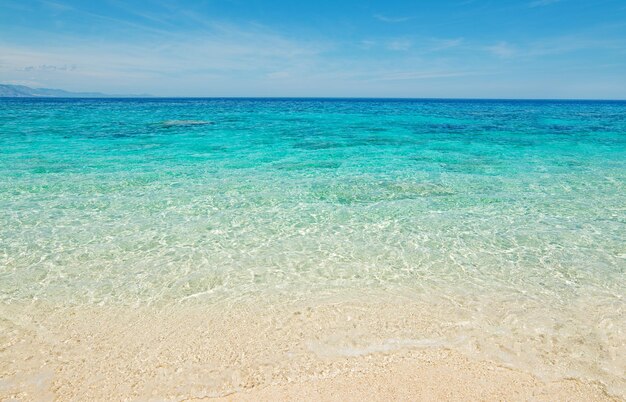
(513, 213)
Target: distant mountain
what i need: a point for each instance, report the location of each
(21, 91)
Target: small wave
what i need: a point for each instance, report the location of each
(178, 123)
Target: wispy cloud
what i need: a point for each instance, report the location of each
(422, 75)
(49, 67)
(400, 44)
(443, 44)
(418, 45)
(553, 46)
(212, 59)
(184, 47)
(391, 20)
(502, 49)
(367, 44)
(115, 21)
(57, 6)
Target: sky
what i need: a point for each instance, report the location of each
(318, 48)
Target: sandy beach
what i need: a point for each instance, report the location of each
(327, 351)
(428, 375)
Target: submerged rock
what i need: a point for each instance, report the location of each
(178, 123)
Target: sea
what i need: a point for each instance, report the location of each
(505, 220)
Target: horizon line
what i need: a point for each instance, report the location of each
(156, 97)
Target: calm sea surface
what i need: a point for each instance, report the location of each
(512, 211)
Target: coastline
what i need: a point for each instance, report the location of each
(331, 350)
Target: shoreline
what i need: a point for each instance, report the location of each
(252, 352)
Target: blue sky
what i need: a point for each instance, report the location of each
(340, 48)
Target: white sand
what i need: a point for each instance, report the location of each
(334, 351)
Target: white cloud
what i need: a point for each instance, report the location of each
(422, 75)
(443, 44)
(278, 75)
(502, 49)
(213, 58)
(48, 67)
(198, 62)
(400, 44)
(553, 46)
(367, 44)
(391, 20)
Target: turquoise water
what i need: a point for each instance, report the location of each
(505, 208)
